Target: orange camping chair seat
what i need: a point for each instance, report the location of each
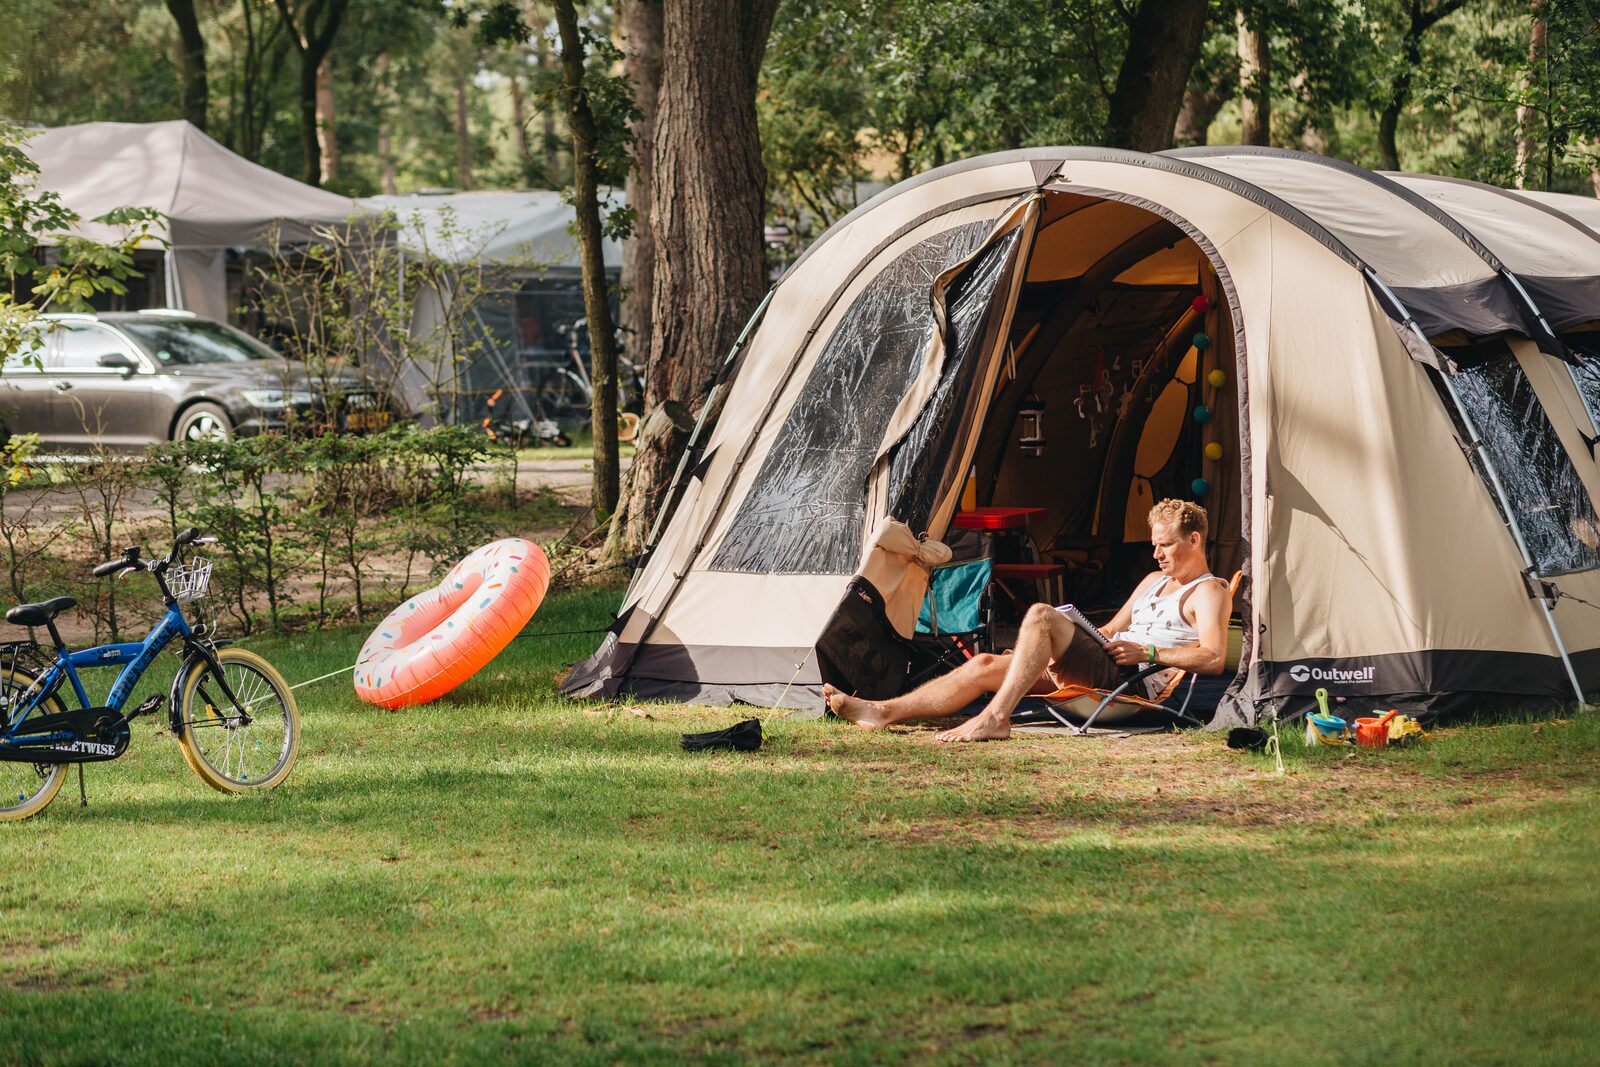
(1113, 705)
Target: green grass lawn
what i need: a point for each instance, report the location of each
(508, 877)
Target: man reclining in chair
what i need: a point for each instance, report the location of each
(1177, 617)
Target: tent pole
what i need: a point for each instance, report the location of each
(694, 439)
(1495, 485)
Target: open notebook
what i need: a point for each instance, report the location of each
(1082, 621)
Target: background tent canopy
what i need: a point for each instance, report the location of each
(533, 227)
(212, 200)
(211, 197)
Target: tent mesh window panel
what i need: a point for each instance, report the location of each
(805, 510)
(1547, 498)
(918, 467)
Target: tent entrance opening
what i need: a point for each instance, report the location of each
(1118, 391)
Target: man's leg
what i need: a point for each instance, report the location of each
(1043, 639)
(942, 696)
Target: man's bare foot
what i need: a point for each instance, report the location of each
(980, 727)
(867, 714)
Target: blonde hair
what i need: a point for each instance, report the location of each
(1186, 515)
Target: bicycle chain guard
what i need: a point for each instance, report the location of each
(86, 747)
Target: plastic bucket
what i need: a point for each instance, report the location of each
(1372, 732)
(1326, 730)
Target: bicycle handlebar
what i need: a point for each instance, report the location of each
(113, 566)
(131, 556)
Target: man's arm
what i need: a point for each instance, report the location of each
(1207, 610)
(1124, 616)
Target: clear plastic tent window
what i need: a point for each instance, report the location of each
(1548, 501)
(805, 511)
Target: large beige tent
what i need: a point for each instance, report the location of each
(1392, 368)
(210, 199)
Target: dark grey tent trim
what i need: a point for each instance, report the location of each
(1392, 679)
(1566, 302)
(1513, 310)
(1482, 309)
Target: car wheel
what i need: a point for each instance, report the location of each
(203, 422)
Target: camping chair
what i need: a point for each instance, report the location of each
(1090, 704)
(954, 617)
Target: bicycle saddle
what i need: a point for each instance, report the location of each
(39, 614)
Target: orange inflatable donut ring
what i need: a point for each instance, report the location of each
(438, 639)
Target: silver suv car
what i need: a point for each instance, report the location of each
(128, 379)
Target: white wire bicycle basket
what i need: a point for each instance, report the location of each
(190, 580)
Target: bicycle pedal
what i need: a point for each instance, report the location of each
(150, 703)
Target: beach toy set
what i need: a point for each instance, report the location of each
(1378, 730)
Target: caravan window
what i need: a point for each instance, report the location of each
(1548, 500)
(805, 511)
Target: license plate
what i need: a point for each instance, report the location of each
(367, 420)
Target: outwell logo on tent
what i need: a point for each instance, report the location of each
(1301, 673)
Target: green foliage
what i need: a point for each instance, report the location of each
(1545, 100)
(333, 502)
(894, 88)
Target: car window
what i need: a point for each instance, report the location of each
(183, 342)
(80, 347)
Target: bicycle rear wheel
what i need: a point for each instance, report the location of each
(26, 789)
(228, 753)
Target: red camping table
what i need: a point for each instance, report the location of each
(1048, 578)
(991, 519)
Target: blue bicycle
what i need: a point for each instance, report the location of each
(233, 714)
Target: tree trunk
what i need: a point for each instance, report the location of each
(1199, 110)
(1400, 89)
(310, 141)
(519, 127)
(1255, 83)
(547, 127)
(709, 185)
(312, 38)
(386, 182)
(191, 61)
(1163, 44)
(327, 136)
(596, 301)
(386, 179)
(463, 136)
(641, 39)
(1527, 113)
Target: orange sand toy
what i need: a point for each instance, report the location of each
(438, 639)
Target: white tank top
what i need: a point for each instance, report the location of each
(1159, 621)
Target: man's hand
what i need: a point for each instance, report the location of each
(1128, 654)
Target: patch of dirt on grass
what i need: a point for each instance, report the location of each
(1084, 784)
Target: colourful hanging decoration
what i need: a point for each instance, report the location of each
(1201, 341)
(1202, 414)
(1213, 451)
(1217, 379)
(1200, 487)
(1201, 303)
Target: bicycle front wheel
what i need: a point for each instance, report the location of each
(244, 748)
(26, 789)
